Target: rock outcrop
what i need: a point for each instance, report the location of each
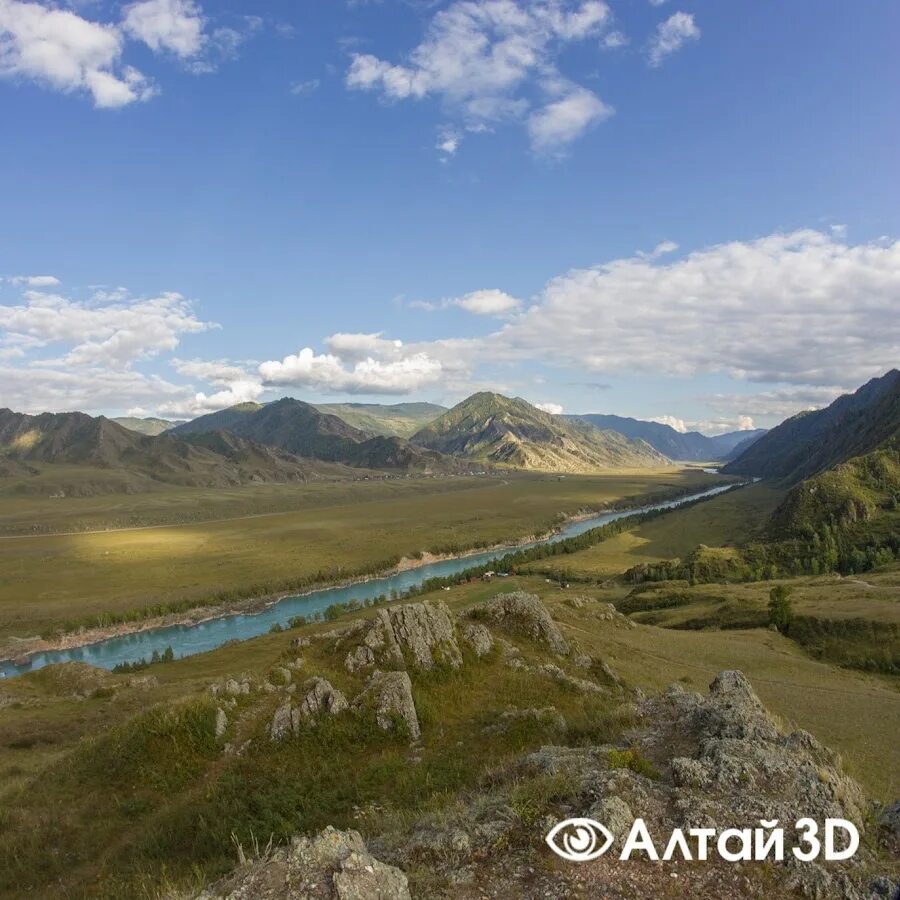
(389, 695)
(523, 613)
(478, 637)
(320, 698)
(334, 865)
(421, 635)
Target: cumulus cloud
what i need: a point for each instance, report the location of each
(175, 26)
(328, 372)
(37, 281)
(110, 334)
(483, 59)
(671, 36)
(672, 422)
(555, 409)
(801, 308)
(38, 388)
(62, 50)
(358, 346)
(489, 302)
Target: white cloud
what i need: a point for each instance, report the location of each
(113, 335)
(555, 409)
(657, 2)
(483, 58)
(563, 120)
(672, 422)
(305, 87)
(175, 26)
(37, 389)
(779, 403)
(613, 41)
(672, 35)
(327, 372)
(488, 303)
(449, 140)
(36, 280)
(355, 346)
(59, 49)
(799, 308)
(661, 249)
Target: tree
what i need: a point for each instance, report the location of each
(781, 612)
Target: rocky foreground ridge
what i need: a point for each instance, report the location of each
(717, 760)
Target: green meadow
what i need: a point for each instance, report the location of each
(131, 555)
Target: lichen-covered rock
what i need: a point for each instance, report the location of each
(525, 614)
(221, 722)
(359, 658)
(389, 695)
(606, 612)
(281, 722)
(478, 637)
(321, 697)
(334, 865)
(422, 634)
(615, 814)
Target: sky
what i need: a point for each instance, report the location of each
(680, 210)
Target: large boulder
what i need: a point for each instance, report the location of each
(523, 613)
(334, 865)
(419, 634)
(389, 695)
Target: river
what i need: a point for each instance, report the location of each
(199, 637)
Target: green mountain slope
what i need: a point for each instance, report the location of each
(811, 442)
(498, 429)
(394, 420)
(300, 428)
(149, 425)
(29, 445)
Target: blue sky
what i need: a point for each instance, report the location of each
(685, 210)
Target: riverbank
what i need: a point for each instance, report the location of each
(20, 651)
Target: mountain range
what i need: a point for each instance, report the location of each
(300, 428)
(214, 459)
(510, 431)
(689, 446)
(811, 442)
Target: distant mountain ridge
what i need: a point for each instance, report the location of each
(148, 425)
(302, 429)
(214, 460)
(498, 429)
(387, 420)
(689, 446)
(812, 442)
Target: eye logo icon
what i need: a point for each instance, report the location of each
(579, 840)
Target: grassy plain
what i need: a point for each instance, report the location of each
(726, 520)
(252, 540)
